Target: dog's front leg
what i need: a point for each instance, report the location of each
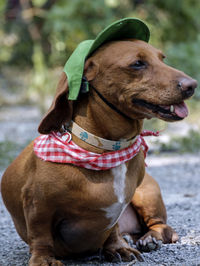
(38, 218)
(149, 204)
(116, 249)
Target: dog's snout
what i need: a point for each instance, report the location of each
(187, 86)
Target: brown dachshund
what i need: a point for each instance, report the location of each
(60, 209)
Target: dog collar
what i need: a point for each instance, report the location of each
(96, 141)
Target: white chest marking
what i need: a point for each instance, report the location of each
(114, 211)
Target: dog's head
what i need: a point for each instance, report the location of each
(132, 76)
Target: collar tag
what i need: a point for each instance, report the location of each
(67, 137)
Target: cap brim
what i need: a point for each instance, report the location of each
(127, 28)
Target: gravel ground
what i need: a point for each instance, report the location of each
(178, 176)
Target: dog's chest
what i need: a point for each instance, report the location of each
(114, 211)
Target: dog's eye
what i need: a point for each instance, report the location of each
(138, 65)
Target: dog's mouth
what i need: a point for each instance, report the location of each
(177, 111)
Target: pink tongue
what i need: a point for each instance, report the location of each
(181, 109)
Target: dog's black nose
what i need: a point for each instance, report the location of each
(187, 86)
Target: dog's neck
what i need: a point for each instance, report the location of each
(93, 115)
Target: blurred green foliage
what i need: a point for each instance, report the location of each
(41, 34)
(190, 143)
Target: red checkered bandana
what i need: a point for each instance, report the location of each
(59, 148)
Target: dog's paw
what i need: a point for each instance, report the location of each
(163, 232)
(44, 261)
(148, 243)
(128, 239)
(122, 254)
(158, 234)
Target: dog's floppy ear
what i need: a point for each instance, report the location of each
(60, 111)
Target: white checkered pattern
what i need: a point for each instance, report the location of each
(54, 148)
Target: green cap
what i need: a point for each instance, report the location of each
(126, 28)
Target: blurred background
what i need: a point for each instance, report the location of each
(37, 37)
